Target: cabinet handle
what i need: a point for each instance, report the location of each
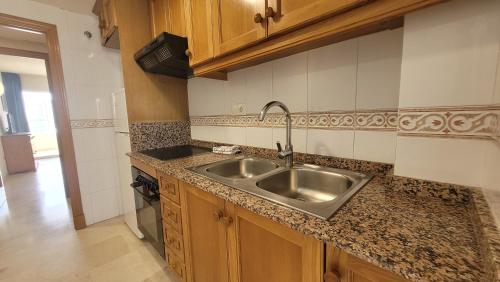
(227, 220)
(331, 276)
(187, 52)
(258, 18)
(270, 12)
(218, 215)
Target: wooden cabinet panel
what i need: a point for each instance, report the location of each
(171, 213)
(158, 10)
(167, 16)
(176, 265)
(177, 16)
(204, 235)
(108, 23)
(343, 267)
(263, 250)
(237, 23)
(169, 187)
(199, 31)
(289, 14)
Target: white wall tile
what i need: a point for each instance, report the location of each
(208, 133)
(206, 97)
(379, 70)
(234, 135)
(97, 175)
(290, 82)
(336, 143)
(93, 144)
(90, 101)
(450, 58)
(259, 137)
(235, 89)
(376, 146)
(259, 88)
(332, 77)
(105, 204)
(496, 95)
(299, 138)
(459, 161)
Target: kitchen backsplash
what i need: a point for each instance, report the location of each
(423, 97)
(158, 134)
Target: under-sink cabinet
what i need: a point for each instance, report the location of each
(209, 239)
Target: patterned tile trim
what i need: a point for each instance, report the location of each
(385, 120)
(91, 123)
(478, 122)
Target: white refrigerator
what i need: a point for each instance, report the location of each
(122, 147)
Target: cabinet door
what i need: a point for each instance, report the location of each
(199, 31)
(263, 250)
(237, 23)
(343, 267)
(158, 10)
(167, 16)
(110, 17)
(289, 14)
(204, 235)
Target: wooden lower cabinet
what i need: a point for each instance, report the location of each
(227, 243)
(343, 267)
(263, 250)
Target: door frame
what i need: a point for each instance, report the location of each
(55, 78)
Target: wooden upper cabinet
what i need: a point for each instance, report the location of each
(289, 14)
(263, 250)
(108, 23)
(343, 267)
(199, 31)
(237, 23)
(204, 235)
(158, 10)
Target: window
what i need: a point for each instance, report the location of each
(38, 106)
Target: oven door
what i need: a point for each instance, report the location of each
(148, 210)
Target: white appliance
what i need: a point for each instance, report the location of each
(122, 147)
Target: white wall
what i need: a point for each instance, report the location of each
(358, 74)
(91, 73)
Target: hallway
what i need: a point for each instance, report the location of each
(38, 241)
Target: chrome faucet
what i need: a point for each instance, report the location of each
(286, 154)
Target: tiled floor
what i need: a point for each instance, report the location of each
(38, 242)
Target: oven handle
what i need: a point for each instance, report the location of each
(135, 185)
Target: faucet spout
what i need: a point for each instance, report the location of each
(286, 154)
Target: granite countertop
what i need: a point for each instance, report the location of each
(419, 238)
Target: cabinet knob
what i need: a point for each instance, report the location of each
(227, 220)
(270, 12)
(331, 276)
(258, 18)
(218, 215)
(187, 52)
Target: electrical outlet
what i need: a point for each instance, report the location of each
(238, 109)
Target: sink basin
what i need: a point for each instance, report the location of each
(308, 185)
(315, 190)
(241, 168)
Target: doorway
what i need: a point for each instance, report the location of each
(45, 126)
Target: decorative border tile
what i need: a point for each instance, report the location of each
(478, 122)
(91, 123)
(385, 120)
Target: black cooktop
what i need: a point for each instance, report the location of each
(175, 152)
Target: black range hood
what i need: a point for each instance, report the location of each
(165, 55)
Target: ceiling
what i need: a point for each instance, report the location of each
(19, 35)
(77, 6)
(22, 65)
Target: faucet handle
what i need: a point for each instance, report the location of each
(278, 144)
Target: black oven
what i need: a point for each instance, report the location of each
(148, 208)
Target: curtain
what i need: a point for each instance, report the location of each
(15, 103)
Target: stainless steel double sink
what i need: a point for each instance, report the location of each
(316, 190)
